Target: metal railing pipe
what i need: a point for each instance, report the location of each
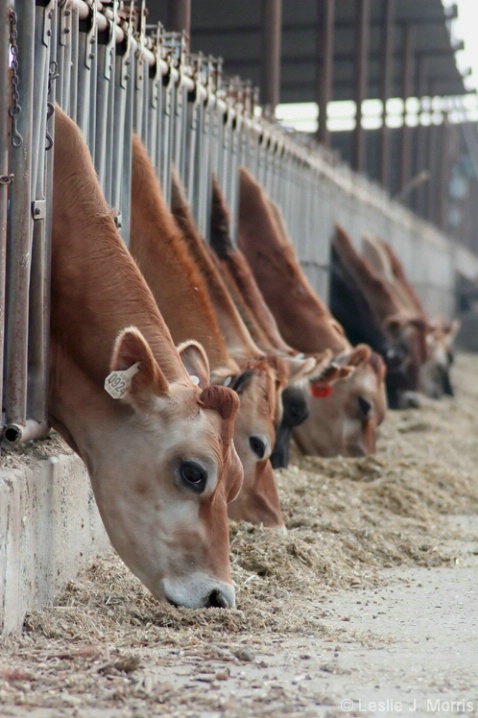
(19, 243)
(5, 177)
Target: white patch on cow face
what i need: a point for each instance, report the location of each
(153, 519)
(183, 593)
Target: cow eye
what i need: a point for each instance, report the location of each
(365, 407)
(258, 446)
(193, 476)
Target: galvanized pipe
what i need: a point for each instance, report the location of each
(15, 434)
(39, 313)
(5, 177)
(20, 225)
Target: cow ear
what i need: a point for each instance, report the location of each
(360, 355)
(195, 362)
(452, 329)
(301, 367)
(135, 375)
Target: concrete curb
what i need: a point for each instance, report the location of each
(49, 529)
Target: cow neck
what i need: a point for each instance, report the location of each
(163, 257)
(97, 290)
(240, 280)
(372, 285)
(238, 339)
(399, 274)
(303, 319)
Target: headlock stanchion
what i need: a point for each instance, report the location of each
(113, 74)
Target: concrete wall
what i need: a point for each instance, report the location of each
(49, 529)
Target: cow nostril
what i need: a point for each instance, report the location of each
(217, 599)
(258, 446)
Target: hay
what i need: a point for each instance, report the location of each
(347, 519)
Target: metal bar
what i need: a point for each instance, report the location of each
(421, 137)
(75, 31)
(20, 225)
(5, 178)
(325, 64)
(179, 16)
(85, 57)
(271, 55)
(386, 88)
(39, 296)
(408, 72)
(122, 81)
(105, 79)
(127, 161)
(361, 71)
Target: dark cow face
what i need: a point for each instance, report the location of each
(295, 411)
(406, 339)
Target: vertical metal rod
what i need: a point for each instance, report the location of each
(271, 55)
(386, 88)
(179, 16)
(39, 310)
(443, 165)
(5, 101)
(325, 64)
(361, 71)
(102, 93)
(64, 44)
(127, 159)
(408, 72)
(122, 81)
(73, 99)
(20, 226)
(421, 136)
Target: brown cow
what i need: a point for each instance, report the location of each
(405, 331)
(181, 293)
(262, 325)
(346, 421)
(435, 371)
(159, 449)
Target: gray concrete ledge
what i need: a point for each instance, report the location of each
(49, 529)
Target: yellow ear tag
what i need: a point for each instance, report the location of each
(117, 383)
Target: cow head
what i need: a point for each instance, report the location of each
(163, 485)
(254, 437)
(406, 352)
(435, 378)
(345, 420)
(294, 401)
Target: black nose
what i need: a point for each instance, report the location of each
(258, 446)
(280, 458)
(217, 599)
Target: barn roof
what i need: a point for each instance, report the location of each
(233, 30)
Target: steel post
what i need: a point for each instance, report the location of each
(386, 89)
(408, 71)
(271, 55)
(20, 225)
(5, 177)
(361, 72)
(325, 64)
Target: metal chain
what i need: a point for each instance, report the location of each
(15, 108)
(53, 74)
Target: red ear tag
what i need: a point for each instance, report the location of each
(321, 390)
